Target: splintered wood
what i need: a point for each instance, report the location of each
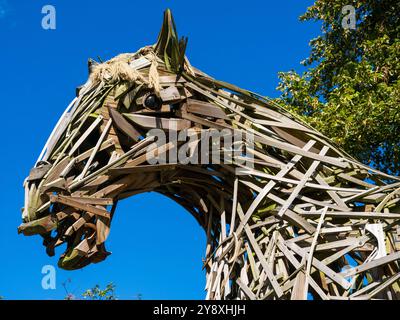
(298, 219)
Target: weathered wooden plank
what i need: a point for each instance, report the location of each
(39, 172)
(205, 109)
(269, 187)
(122, 124)
(336, 277)
(246, 290)
(150, 122)
(143, 168)
(105, 145)
(95, 149)
(312, 248)
(79, 205)
(143, 143)
(353, 215)
(85, 134)
(371, 265)
(302, 183)
(260, 256)
(94, 201)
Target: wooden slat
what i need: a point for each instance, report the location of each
(79, 205)
(85, 135)
(150, 122)
(205, 109)
(122, 124)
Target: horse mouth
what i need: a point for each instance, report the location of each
(61, 219)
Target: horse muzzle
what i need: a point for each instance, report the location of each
(36, 213)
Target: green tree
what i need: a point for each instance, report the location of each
(350, 90)
(96, 293)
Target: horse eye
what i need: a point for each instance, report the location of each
(152, 102)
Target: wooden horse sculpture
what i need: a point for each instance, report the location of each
(291, 217)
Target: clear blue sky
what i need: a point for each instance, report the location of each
(156, 246)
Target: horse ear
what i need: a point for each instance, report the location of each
(168, 46)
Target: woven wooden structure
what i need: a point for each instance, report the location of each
(304, 218)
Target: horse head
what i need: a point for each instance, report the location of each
(258, 179)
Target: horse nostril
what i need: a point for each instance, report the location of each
(42, 163)
(38, 172)
(152, 102)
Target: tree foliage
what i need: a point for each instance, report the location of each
(96, 293)
(351, 89)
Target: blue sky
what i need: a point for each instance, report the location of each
(157, 247)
